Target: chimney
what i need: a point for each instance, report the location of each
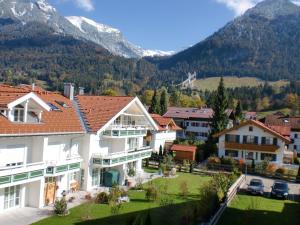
(32, 86)
(81, 91)
(69, 91)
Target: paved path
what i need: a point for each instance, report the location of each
(268, 182)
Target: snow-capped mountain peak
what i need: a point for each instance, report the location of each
(43, 5)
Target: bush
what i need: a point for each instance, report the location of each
(102, 198)
(242, 162)
(61, 207)
(297, 161)
(271, 168)
(184, 191)
(281, 170)
(214, 160)
(151, 193)
(228, 161)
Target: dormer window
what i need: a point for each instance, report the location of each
(18, 113)
(250, 128)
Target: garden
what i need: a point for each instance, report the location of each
(248, 210)
(181, 199)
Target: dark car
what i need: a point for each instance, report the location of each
(280, 189)
(256, 186)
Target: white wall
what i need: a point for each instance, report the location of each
(160, 138)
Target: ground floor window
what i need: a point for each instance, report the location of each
(96, 177)
(12, 197)
(232, 153)
(268, 156)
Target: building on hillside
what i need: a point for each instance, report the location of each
(196, 122)
(184, 152)
(253, 140)
(166, 133)
(40, 142)
(51, 145)
(291, 125)
(250, 115)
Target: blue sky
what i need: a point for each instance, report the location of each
(158, 24)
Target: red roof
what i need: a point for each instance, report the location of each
(282, 120)
(165, 123)
(65, 120)
(184, 148)
(98, 110)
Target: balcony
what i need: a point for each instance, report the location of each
(21, 173)
(125, 131)
(119, 158)
(251, 147)
(55, 168)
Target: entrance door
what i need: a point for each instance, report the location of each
(12, 197)
(50, 190)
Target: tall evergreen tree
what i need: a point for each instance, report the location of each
(163, 101)
(220, 104)
(155, 106)
(238, 116)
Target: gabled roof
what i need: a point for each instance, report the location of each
(255, 123)
(279, 119)
(165, 123)
(64, 120)
(99, 110)
(184, 148)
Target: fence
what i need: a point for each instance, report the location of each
(230, 196)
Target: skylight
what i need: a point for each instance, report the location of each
(61, 103)
(53, 107)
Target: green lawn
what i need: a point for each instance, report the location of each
(248, 210)
(138, 205)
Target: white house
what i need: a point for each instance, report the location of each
(252, 140)
(40, 138)
(116, 138)
(50, 145)
(166, 133)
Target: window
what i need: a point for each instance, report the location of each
(232, 153)
(61, 103)
(53, 107)
(133, 143)
(232, 138)
(295, 147)
(117, 121)
(268, 156)
(250, 139)
(95, 177)
(250, 128)
(73, 176)
(18, 115)
(266, 140)
(12, 197)
(295, 135)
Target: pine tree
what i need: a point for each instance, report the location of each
(163, 101)
(220, 118)
(238, 112)
(155, 106)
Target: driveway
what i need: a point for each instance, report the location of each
(268, 182)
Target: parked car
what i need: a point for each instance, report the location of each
(256, 186)
(280, 189)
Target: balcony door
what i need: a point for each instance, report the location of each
(50, 190)
(12, 197)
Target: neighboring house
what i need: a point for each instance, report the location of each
(250, 115)
(184, 152)
(196, 122)
(252, 140)
(291, 123)
(115, 140)
(166, 133)
(50, 145)
(40, 142)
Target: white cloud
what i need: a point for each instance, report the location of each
(87, 5)
(239, 6)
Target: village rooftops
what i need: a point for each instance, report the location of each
(57, 113)
(165, 123)
(283, 120)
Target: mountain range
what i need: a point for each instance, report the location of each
(264, 42)
(78, 27)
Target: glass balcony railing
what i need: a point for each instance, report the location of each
(124, 133)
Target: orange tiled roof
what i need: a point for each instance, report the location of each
(163, 122)
(184, 148)
(98, 110)
(65, 120)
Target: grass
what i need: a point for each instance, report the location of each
(138, 205)
(150, 170)
(248, 210)
(211, 83)
(262, 114)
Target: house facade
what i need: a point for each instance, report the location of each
(166, 133)
(252, 140)
(51, 145)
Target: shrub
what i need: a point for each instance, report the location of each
(214, 160)
(124, 193)
(88, 196)
(228, 161)
(297, 161)
(115, 207)
(241, 162)
(102, 198)
(281, 170)
(221, 183)
(61, 207)
(151, 193)
(184, 191)
(131, 172)
(271, 168)
(165, 200)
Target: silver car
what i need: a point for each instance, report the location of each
(256, 187)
